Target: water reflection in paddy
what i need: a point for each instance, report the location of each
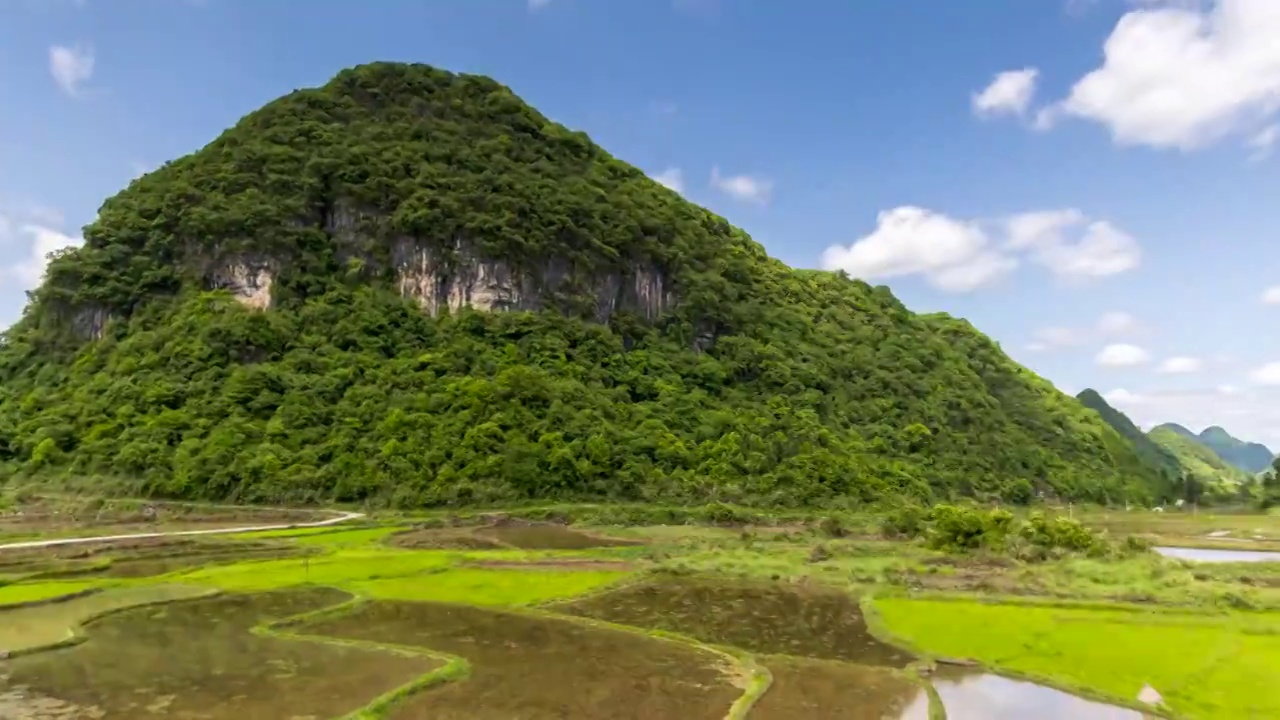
(1218, 556)
(198, 659)
(975, 695)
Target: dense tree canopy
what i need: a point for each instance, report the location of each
(759, 384)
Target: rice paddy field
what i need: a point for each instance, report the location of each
(532, 615)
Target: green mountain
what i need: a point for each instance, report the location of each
(409, 287)
(1152, 454)
(1198, 459)
(1252, 457)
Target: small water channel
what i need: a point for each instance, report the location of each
(1218, 556)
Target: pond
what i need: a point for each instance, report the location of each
(540, 668)
(198, 659)
(779, 619)
(1218, 556)
(975, 695)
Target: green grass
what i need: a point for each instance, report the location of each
(337, 569)
(1210, 667)
(489, 587)
(34, 592)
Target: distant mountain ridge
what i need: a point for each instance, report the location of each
(1152, 453)
(1248, 456)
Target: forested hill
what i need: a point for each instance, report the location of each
(1156, 456)
(408, 286)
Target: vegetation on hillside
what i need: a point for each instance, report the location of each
(1248, 456)
(1155, 456)
(762, 385)
(1205, 476)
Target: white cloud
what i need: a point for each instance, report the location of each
(1252, 415)
(1268, 374)
(1271, 295)
(33, 242)
(1009, 93)
(742, 187)
(1183, 75)
(70, 67)
(1117, 323)
(536, 5)
(1098, 248)
(671, 178)
(1181, 365)
(1120, 396)
(952, 255)
(1121, 355)
(1263, 142)
(959, 255)
(1110, 324)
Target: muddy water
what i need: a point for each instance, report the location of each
(197, 659)
(443, 540)
(544, 669)
(40, 625)
(1218, 556)
(548, 537)
(969, 695)
(817, 690)
(782, 619)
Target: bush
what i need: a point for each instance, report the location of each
(832, 527)
(960, 528)
(906, 521)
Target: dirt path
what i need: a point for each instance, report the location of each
(180, 533)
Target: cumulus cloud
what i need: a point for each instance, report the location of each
(1268, 374)
(1183, 75)
(951, 254)
(1271, 295)
(1181, 364)
(1071, 246)
(1121, 355)
(1009, 93)
(742, 187)
(671, 178)
(71, 67)
(1252, 414)
(962, 255)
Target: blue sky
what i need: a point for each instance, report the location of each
(1105, 209)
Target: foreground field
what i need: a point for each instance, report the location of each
(491, 616)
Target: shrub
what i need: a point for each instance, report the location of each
(904, 521)
(832, 527)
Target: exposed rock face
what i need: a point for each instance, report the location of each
(459, 277)
(248, 280)
(90, 323)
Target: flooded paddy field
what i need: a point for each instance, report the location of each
(36, 626)
(508, 535)
(838, 691)
(539, 667)
(808, 622)
(135, 558)
(578, 621)
(199, 659)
